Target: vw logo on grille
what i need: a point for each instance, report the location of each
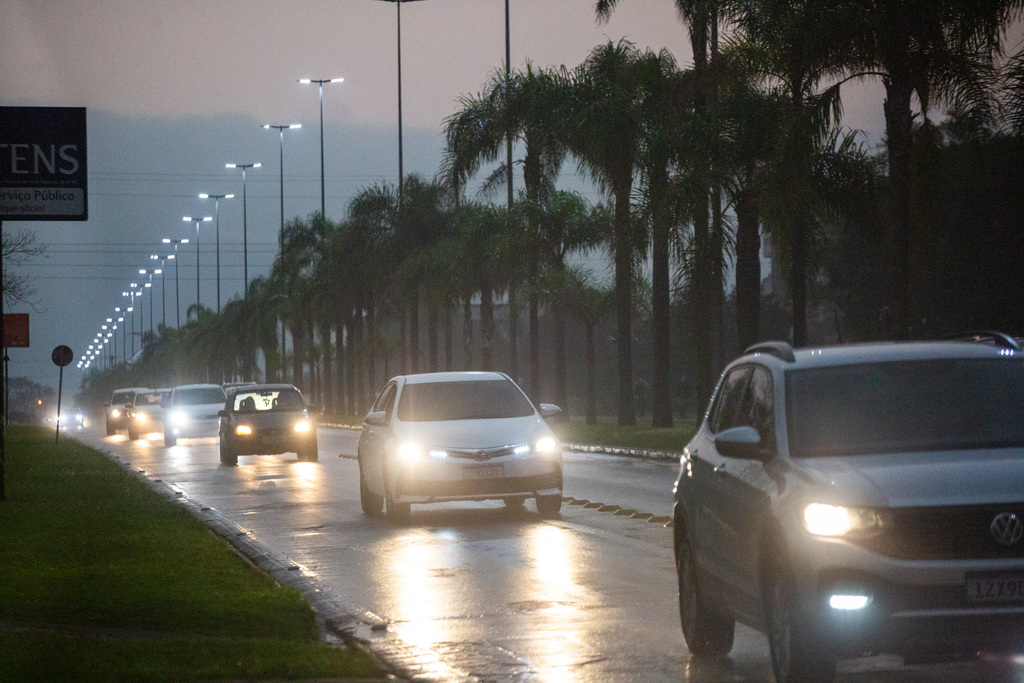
(1007, 528)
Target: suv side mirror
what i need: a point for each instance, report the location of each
(376, 419)
(740, 442)
(222, 413)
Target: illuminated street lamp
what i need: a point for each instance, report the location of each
(151, 272)
(320, 82)
(281, 128)
(197, 221)
(245, 231)
(177, 304)
(216, 212)
(163, 281)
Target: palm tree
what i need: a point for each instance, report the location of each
(938, 50)
(606, 136)
(527, 106)
(591, 303)
(797, 44)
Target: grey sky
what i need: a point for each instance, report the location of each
(176, 88)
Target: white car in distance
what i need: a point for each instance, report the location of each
(191, 411)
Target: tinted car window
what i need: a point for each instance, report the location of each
(725, 413)
(908, 406)
(199, 396)
(475, 400)
(759, 407)
(121, 397)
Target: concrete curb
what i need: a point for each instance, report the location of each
(643, 453)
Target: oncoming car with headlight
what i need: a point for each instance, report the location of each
(190, 410)
(857, 499)
(146, 413)
(117, 408)
(266, 419)
(447, 436)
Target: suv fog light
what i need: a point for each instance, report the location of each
(849, 602)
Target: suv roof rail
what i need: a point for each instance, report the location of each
(1000, 339)
(780, 349)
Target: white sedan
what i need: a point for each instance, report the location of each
(449, 436)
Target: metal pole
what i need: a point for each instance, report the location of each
(401, 173)
(177, 290)
(216, 209)
(323, 201)
(198, 305)
(245, 241)
(281, 161)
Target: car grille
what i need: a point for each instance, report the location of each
(944, 533)
(483, 455)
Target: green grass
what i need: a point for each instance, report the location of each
(101, 579)
(607, 432)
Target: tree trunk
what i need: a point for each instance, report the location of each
(513, 331)
(748, 265)
(432, 332)
(467, 333)
(487, 326)
(591, 365)
(661, 298)
(414, 332)
(899, 141)
(624, 300)
(561, 379)
(298, 354)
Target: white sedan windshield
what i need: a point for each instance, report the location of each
(473, 400)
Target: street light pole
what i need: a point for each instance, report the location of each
(177, 292)
(320, 82)
(216, 211)
(245, 230)
(150, 272)
(401, 171)
(197, 221)
(281, 128)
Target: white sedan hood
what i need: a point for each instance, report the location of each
(472, 434)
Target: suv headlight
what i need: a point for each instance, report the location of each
(836, 520)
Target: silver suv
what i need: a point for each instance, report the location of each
(857, 499)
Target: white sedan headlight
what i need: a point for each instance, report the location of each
(410, 451)
(836, 520)
(546, 445)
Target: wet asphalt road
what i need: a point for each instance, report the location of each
(477, 591)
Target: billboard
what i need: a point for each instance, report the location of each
(15, 330)
(43, 164)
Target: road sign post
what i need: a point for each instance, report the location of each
(62, 355)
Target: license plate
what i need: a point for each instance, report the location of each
(995, 588)
(483, 471)
(274, 440)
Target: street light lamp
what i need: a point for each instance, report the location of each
(216, 211)
(281, 128)
(149, 285)
(197, 220)
(245, 231)
(401, 172)
(177, 304)
(320, 82)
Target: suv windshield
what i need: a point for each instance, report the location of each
(472, 400)
(905, 406)
(198, 396)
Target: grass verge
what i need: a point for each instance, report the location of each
(101, 579)
(607, 432)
